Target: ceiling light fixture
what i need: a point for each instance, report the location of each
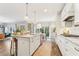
(35, 16)
(26, 17)
(45, 10)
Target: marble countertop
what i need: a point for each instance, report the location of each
(25, 35)
(73, 39)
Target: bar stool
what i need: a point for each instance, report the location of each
(13, 48)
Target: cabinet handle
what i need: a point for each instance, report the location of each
(76, 49)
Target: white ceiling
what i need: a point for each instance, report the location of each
(14, 12)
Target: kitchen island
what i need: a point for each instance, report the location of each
(27, 44)
(69, 46)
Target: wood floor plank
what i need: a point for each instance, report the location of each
(48, 49)
(5, 48)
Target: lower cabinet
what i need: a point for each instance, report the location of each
(75, 49)
(23, 47)
(27, 46)
(34, 44)
(67, 47)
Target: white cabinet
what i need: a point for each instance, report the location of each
(34, 44)
(67, 47)
(28, 45)
(23, 47)
(76, 13)
(75, 49)
(67, 11)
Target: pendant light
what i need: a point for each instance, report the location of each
(26, 17)
(34, 16)
(45, 10)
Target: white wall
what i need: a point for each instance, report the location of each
(67, 11)
(59, 25)
(75, 30)
(76, 12)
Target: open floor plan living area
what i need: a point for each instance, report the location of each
(39, 29)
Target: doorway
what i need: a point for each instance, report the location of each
(45, 31)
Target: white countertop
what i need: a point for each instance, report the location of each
(25, 36)
(73, 39)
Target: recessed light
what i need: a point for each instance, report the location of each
(45, 10)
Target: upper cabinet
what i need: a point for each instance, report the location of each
(68, 11)
(76, 14)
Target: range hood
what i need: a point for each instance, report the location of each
(69, 18)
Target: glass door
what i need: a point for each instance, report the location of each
(45, 31)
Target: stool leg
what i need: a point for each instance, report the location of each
(11, 49)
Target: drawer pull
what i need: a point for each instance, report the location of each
(76, 49)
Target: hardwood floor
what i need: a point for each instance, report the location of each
(5, 48)
(48, 49)
(55, 50)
